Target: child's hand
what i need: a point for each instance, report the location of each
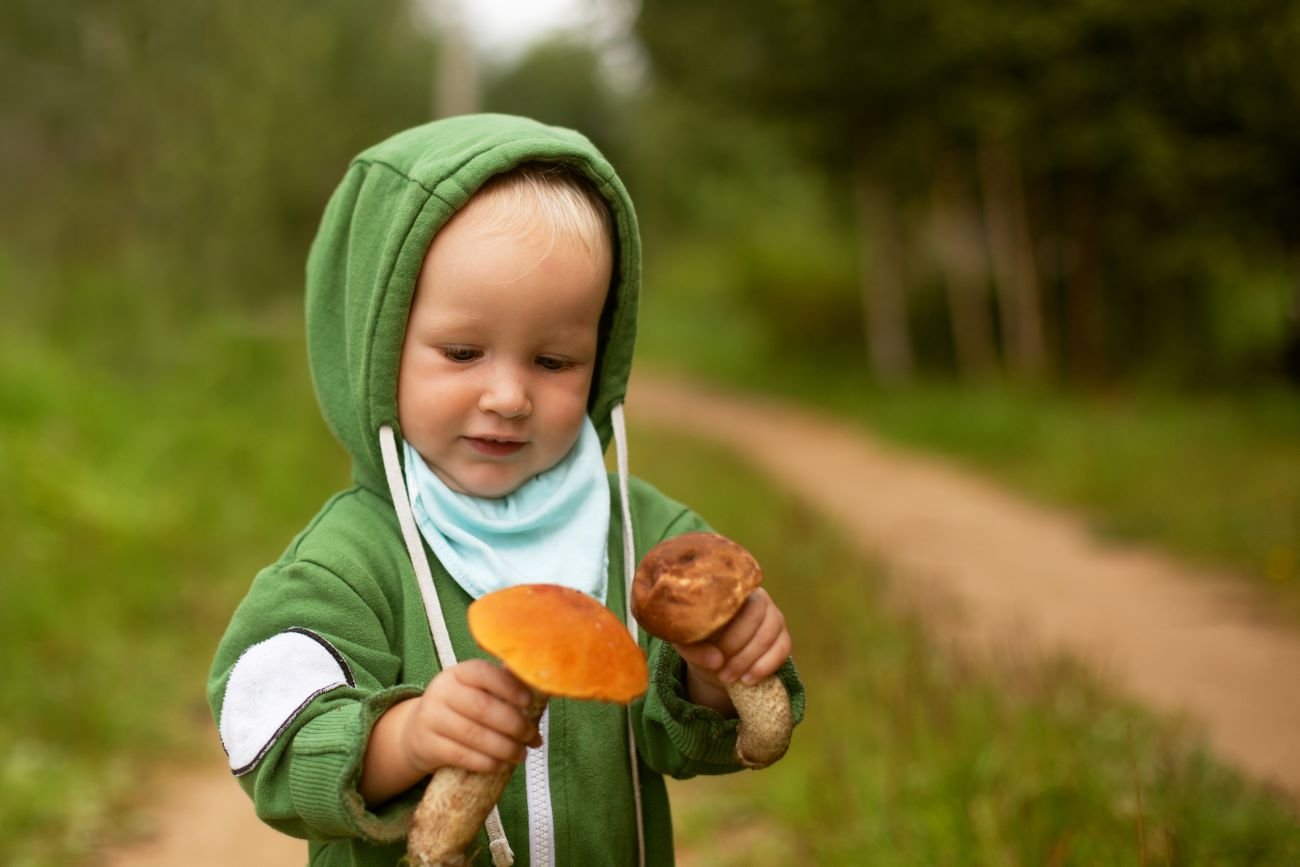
(471, 716)
(748, 648)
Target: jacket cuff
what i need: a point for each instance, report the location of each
(704, 738)
(326, 770)
(700, 734)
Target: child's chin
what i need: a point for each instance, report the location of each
(492, 489)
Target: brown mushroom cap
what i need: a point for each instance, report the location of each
(560, 642)
(688, 586)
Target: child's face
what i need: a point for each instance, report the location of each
(499, 351)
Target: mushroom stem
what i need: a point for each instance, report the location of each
(454, 806)
(765, 721)
(688, 587)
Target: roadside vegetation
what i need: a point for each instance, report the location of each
(143, 489)
(1214, 477)
(912, 755)
(145, 492)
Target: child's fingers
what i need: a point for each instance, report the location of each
(741, 629)
(436, 735)
(466, 700)
(481, 674)
(468, 744)
(769, 661)
(769, 635)
(702, 654)
(488, 711)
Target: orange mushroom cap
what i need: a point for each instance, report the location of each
(561, 642)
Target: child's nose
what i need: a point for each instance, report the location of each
(507, 397)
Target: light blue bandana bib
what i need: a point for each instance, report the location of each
(554, 529)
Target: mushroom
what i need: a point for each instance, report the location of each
(687, 588)
(559, 642)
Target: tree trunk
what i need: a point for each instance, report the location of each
(1085, 309)
(1010, 243)
(959, 250)
(1291, 339)
(456, 79)
(889, 348)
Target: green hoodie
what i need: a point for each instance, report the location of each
(335, 632)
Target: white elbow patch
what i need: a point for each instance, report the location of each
(269, 685)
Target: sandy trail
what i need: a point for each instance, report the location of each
(201, 818)
(1176, 637)
(1173, 636)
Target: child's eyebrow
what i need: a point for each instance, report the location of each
(451, 319)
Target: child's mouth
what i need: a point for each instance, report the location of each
(493, 447)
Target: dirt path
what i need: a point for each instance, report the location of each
(1176, 638)
(200, 818)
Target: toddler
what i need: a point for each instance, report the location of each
(471, 307)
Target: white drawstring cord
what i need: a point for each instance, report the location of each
(501, 854)
(415, 548)
(629, 570)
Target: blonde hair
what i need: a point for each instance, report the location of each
(556, 194)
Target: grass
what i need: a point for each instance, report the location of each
(913, 756)
(147, 478)
(140, 497)
(1215, 478)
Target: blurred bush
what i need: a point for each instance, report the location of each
(1127, 172)
(187, 147)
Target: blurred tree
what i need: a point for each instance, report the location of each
(456, 82)
(560, 81)
(1124, 156)
(848, 78)
(191, 148)
(956, 244)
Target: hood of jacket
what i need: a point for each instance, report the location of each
(366, 258)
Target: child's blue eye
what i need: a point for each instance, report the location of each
(460, 353)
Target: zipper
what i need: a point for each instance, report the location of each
(537, 784)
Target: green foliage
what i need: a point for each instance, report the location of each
(139, 503)
(1147, 138)
(797, 275)
(193, 145)
(1217, 480)
(913, 755)
(746, 250)
(124, 519)
(1213, 478)
(561, 82)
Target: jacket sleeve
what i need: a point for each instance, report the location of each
(675, 736)
(302, 674)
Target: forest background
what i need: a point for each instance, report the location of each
(1059, 241)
